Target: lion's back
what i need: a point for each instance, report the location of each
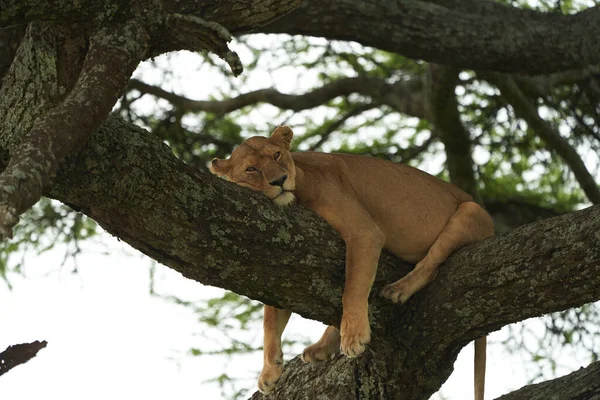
(410, 206)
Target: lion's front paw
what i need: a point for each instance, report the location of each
(399, 291)
(269, 376)
(355, 334)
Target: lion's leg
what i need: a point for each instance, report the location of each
(469, 224)
(274, 323)
(325, 347)
(362, 255)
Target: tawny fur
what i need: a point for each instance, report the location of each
(373, 204)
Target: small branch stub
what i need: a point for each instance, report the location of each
(200, 35)
(19, 354)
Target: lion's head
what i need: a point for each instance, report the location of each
(264, 165)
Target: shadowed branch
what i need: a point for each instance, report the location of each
(405, 97)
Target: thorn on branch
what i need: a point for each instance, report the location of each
(205, 35)
(19, 354)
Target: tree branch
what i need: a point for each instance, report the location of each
(199, 35)
(405, 97)
(474, 34)
(443, 107)
(224, 235)
(581, 385)
(471, 34)
(330, 127)
(236, 16)
(110, 62)
(526, 109)
(16, 12)
(19, 354)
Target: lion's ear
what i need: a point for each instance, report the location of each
(219, 167)
(282, 136)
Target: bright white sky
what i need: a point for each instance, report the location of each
(108, 338)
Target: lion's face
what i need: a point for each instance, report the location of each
(264, 165)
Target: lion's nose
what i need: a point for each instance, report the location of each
(278, 182)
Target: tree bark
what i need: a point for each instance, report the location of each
(579, 385)
(471, 34)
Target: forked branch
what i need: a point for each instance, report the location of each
(112, 58)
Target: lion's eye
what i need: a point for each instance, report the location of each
(250, 169)
(277, 155)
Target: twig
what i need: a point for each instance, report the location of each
(332, 127)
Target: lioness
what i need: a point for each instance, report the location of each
(373, 204)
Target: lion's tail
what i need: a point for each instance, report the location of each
(480, 356)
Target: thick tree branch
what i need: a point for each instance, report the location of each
(526, 109)
(256, 12)
(16, 12)
(474, 34)
(173, 24)
(112, 58)
(227, 236)
(19, 354)
(405, 97)
(235, 16)
(580, 385)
